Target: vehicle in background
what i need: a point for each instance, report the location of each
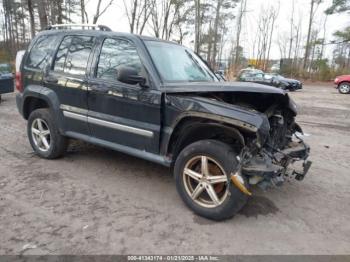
(284, 83)
(275, 68)
(342, 83)
(276, 80)
(251, 75)
(6, 79)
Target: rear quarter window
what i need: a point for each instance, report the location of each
(73, 55)
(41, 52)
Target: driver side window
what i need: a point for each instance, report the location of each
(116, 53)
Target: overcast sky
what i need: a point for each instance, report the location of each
(116, 19)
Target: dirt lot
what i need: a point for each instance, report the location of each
(96, 201)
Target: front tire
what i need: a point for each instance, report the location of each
(44, 136)
(344, 88)
(202, 173)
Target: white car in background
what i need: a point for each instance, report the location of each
(275, 68)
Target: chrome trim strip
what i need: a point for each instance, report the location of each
(74, 109)
(108, 124)
(120, 127)
(75, 116)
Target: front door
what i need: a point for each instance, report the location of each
(120, 113)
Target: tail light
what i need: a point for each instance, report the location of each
(18, 82)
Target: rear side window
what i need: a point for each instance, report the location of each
(116, 53)
(73, 55)
(40, 53)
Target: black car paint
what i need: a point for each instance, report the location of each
(287, 83)
(157, 108)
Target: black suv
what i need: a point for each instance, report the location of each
(159, 101)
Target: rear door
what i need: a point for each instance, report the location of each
(120, 113)
(67, 77)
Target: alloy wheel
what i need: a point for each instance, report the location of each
(205, 181)
(41, 134)
(344, 88)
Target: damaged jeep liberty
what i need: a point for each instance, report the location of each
(159, 101)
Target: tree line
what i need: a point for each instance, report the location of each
(206, 24)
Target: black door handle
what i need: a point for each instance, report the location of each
(99, 88)
(50, 79)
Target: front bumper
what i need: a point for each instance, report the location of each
(267, 168)
(294, 86)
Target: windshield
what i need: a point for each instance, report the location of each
(5, 69)
(176, 63)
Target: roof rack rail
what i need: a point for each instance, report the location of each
(83, 26)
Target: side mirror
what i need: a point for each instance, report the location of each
(128, 75)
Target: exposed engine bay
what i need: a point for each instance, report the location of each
(277, 160)
(279, 155)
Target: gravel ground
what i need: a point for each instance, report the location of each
(96, 201)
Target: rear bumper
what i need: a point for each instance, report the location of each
(19, 102)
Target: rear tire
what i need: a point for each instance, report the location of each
(44, 136)
(344, 88)
(197, 192)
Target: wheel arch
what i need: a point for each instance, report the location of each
(32, 103)
(343, 81)
(36, 97)
(193, 128)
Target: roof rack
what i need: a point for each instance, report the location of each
(83, 26)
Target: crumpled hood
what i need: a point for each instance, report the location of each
(204, 87)
(197, 88)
